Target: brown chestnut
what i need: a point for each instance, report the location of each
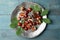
(19, 24)
(29, 9)
(26, 28)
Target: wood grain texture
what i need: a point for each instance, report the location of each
(52, 31)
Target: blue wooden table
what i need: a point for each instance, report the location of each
(52, 31)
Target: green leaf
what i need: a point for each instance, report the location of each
(19, 30)
(14, 18)
(32, 6)
(46, 20)
(14, 22)
(36, 8)
(13, 25)
(45, 12)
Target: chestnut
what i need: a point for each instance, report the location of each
(19, 24)
(30, 24)
(38, 22)
(26, 16)
(26, 28)
(33, 28)
(30, 20)
(38, 17)
(34, 23)
(22, 14)
(23, 25)
(29, 17)
(29, 9)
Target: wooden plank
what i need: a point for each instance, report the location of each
(55, 24)
(52, 31)
(47, 35)
(4, 22)
(48, 4)
(7, 6)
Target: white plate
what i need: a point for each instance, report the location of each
(40, 28)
